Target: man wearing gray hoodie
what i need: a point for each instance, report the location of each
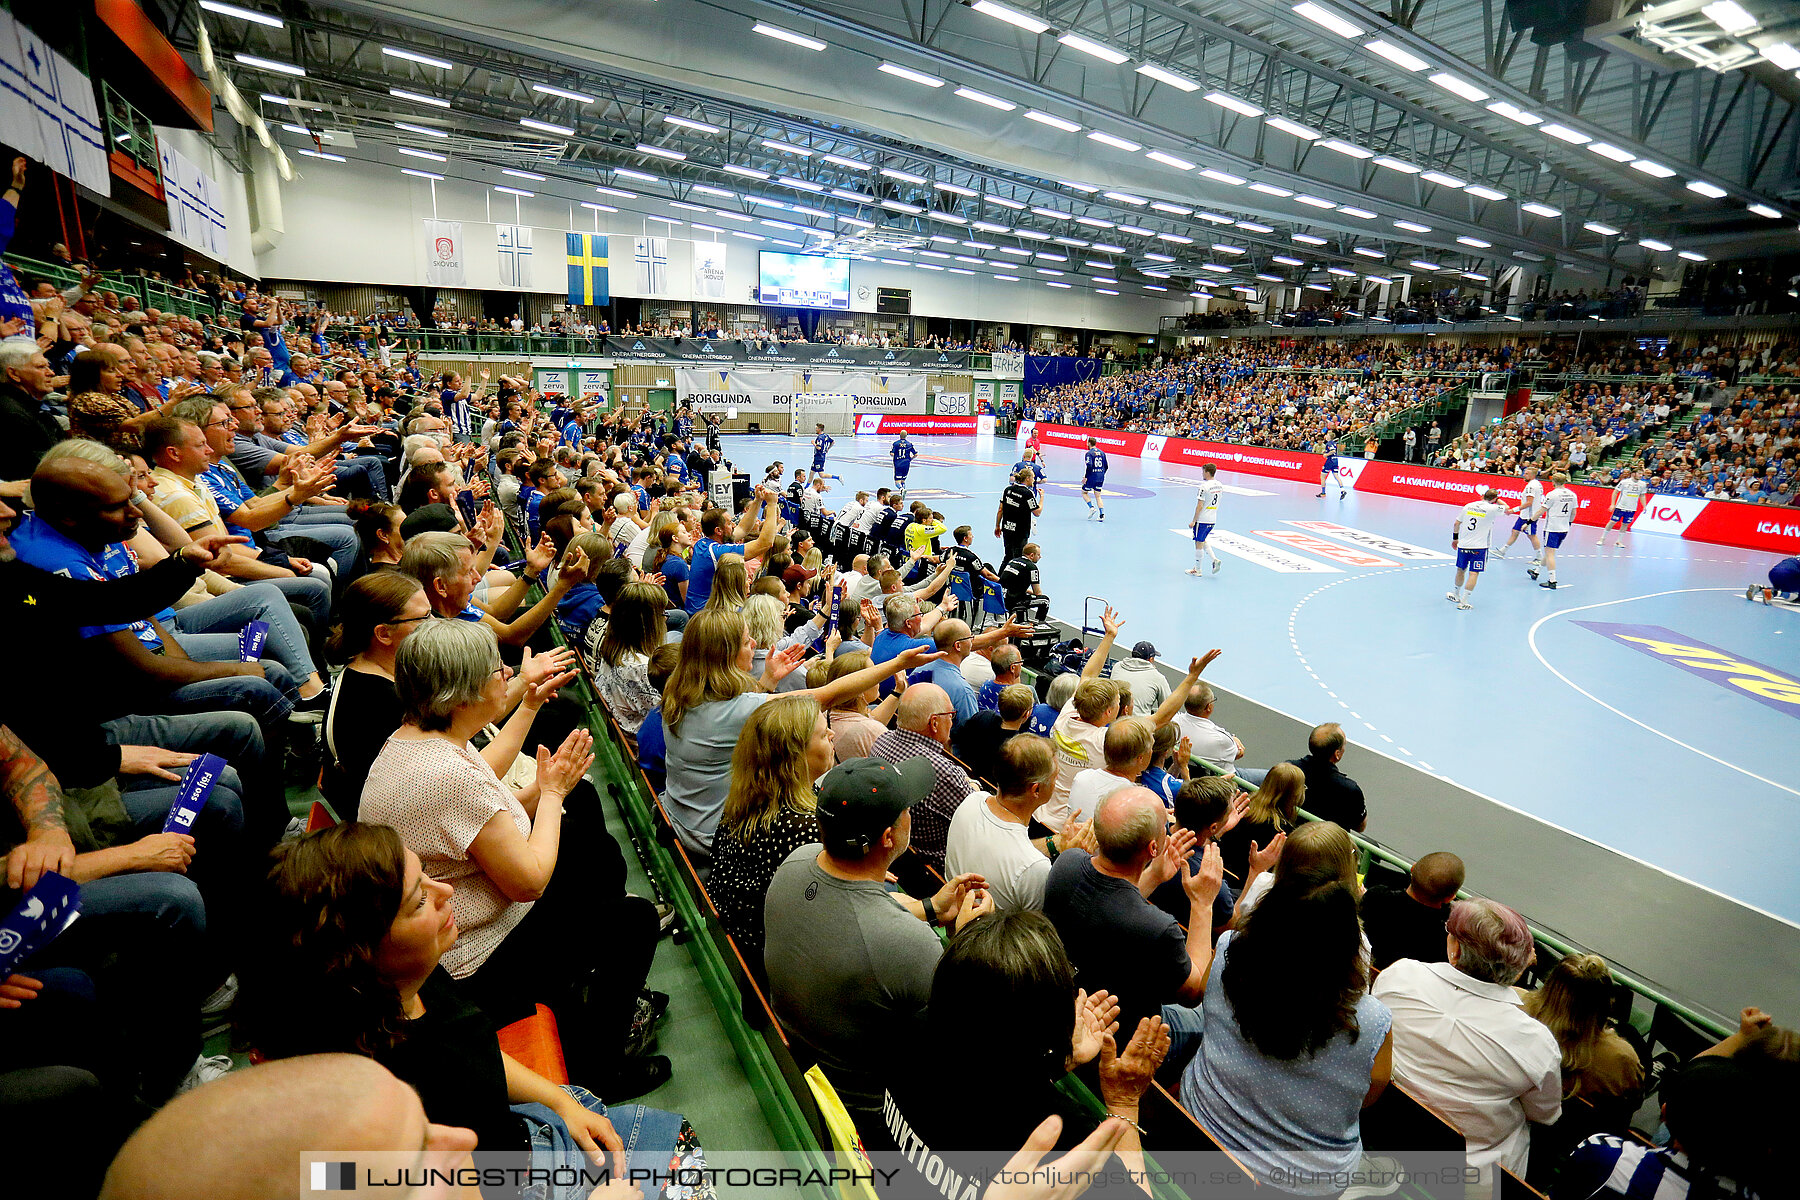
(1149, 688)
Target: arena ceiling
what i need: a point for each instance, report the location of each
(1109, 144)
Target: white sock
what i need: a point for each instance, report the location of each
(1552, 576)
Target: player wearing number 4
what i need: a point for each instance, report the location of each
(1093, 479)
(1531, 510)
(1206, 513)
(1469, 537)
(1559, 518)
(903, 453)
(1627, 501)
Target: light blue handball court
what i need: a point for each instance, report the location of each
(1534, 698)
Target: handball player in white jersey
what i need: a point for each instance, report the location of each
(1470, 538)
(1206, 514)
(1560, 507)
(1627, 501)
(1531, 511)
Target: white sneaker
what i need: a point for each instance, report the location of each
(1193, 570)
(1450, 596)
(1464, 605)
(1381, 1177)
(204, 1071)
(223, 997)
(1500, 552)
(1620, 543)
(1601, 542)
(1216, 563)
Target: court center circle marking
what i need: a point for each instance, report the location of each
(1531, 639)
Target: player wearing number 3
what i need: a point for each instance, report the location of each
(1470, 537)
(1206, 515)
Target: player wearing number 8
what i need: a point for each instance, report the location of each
(1470, 537)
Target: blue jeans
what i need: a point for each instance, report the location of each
(269, 698)
(1186, 1028)
(330, 526)
(235, 737)
(363, 477)
(253, 602)
(309, 592)
(651, 1136)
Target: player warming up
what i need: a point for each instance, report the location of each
(822, 444)
(1627, 502)
(1470, 537)
(1531, 511)
(1329, 471)
(1560, 507)
(1093, 479)
(1206, 514)
(902, 452)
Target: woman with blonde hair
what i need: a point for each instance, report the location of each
(707, 701)
(1574, 1002)
(1274, 809)
(731, 584)
(854, 723)
(769, 813)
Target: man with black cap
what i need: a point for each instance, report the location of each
(1148, 686)
(849, 962)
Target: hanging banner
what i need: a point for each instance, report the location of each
(984, 395)
(195, 216)
(594, 387)
(1009, 364)
(709, 271)
(444, 264)
(514, 242)
(755, 354)
(652, 258)
(773, 391)
(951, 404)
(552, 382)
(49, 112)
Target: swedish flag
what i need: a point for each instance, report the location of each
(587, 268)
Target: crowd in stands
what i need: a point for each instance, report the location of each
(1573, 432)
(1743, 449)
(816, 735)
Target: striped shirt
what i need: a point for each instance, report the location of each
(1608, 1166)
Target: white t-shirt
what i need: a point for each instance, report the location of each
(1475, 527)
(1206, 741)
(1559, 509)
(634, 553)
(849, 513)
(1075, 745)
(1000, 851)
(865, 520)
(1531, 505)
(1089, 789)
(1210, 491)
(1629, 493)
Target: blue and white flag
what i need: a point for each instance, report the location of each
(652, 254)
(515, 255)
(47, 109)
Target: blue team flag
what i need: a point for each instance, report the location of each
(251, 639)
(587, 268)
(202, 774)
(47, 910)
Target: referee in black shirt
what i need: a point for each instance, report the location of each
(1012, 521)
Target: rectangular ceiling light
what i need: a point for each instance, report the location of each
(1219, 268)
(1563, 133)
(1330, 20)
(1267, 278)
(1412, 227)
(1653, 244)
(1458, 85)
(1486, 193)
(969, 93)
(1170, 160)
(1136, 230)
(1014, 250)
(1152, 71)
(416, 98)
(1287, 260)
(721, 193)
(1044, 118)
(746, 172)
(1400, 57)
(546, 126)
(1011, 16)
(425, 154)
(512, 191)
(1003, 202)
(427, 130)
(805, 185)
(1075, 41)
(1117, 143)
(1346, 148)
(1361, 214)
(619, 192)
(422, 59)
(1783, 55)
(1253, 227)
(1314, 201)
(1224, 248)
(1368, 252)
(947, 217)
(955, 189)
(1443, 180)
(1513, 112)
(902, 206)
(1396, 164)
(1033, 234)
(1174, 210)
(840, 160)
(1125, 198)
(1730, 16)
(1423, 265)
(1608, 150)
(242, 14)
(323, 136)
(340, 158)
(429, 175)
(1294, 128)
(1309, 239)
(1108, 248)
(1710, 190)
(1086, 189)
(269, 64)
(1652, 168)
(1178, 239)
(1234, 104)
(1105, 292)
(1269, 189)
(272, 98)
(1601, 229)
(1055, 214)
(787, 35)
(1078, 243)
(660, 151)
(903, 176)
(991, 227)
(912, 76)
(531, 175)
(1475, 242)
(1345, 271)
(1542, 210)
(1223, 177)
(1093, 222)
(610, 208)
(1763, 210)
(784, 148)
(685, 123)
(563, 93)
(1690, 256)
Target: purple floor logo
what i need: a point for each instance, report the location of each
(1763, 684)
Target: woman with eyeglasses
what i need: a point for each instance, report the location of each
(540, 895)
(374, 617)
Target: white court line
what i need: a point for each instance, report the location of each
(1531, 638)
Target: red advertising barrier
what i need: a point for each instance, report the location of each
(1253, 460)
(1721, 522)
(892, 424)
